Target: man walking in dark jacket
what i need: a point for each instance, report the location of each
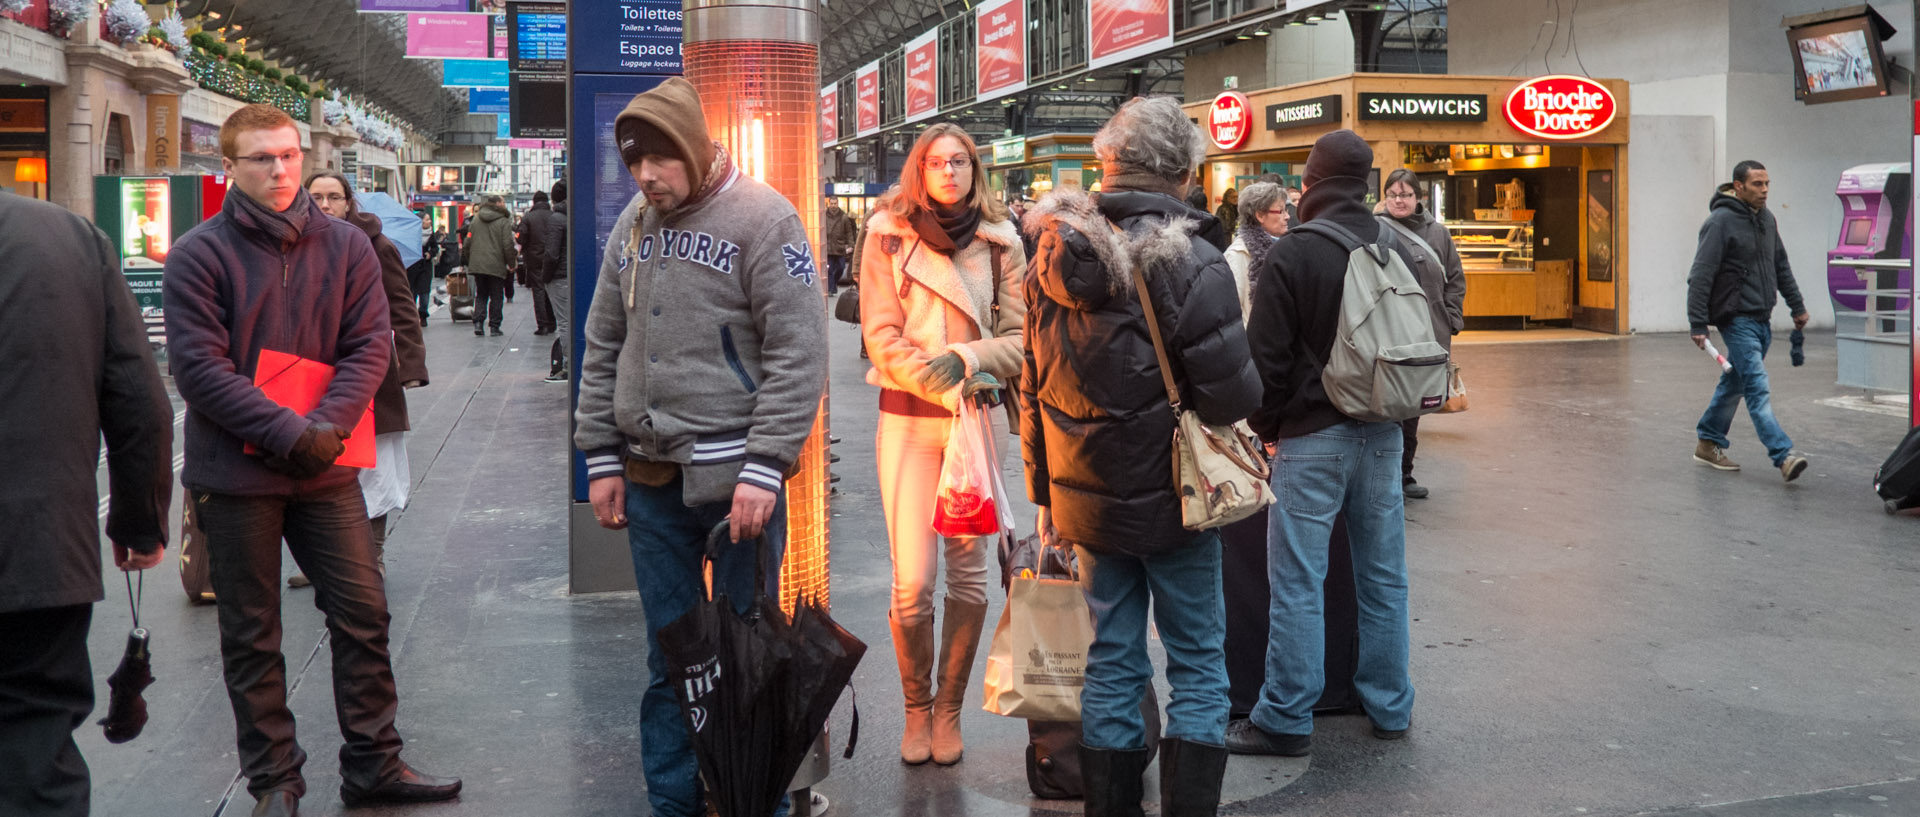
(78, 367)
(490, 259)
(1327, 463)
(1737, 269)
(559, 290)
(272, 273)
(535, 227)
(837, 233)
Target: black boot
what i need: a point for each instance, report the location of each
(1111, 778)
(1190, 778)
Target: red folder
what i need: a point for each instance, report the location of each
(298, 384)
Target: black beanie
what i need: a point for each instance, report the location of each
(638, 137)
(1340, 153)
(539, 196)
(559, 191)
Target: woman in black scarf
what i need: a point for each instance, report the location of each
(1263, 207)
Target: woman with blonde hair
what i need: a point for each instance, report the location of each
(941, 312)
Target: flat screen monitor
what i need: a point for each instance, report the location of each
(536, 37)
(1859, 232)
(1838, 60)
(539, 103)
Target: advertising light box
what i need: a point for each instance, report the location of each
(473, 73)
(1000, 48)
(449, 36)
(922, 71)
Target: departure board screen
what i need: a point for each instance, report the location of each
(536, 37)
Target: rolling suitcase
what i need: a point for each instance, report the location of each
(459, 295)
(1244, 586)
(1898, 479)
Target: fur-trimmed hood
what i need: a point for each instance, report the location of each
(1157, 234)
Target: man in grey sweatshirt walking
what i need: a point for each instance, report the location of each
(704, 365)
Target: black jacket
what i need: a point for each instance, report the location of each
(74, 365)
(403, 316)
(555, 240)
(1296, 311)
(535, 228)
(1738, 267)
(1095, 424)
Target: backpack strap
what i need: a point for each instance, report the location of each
(1348, 241)
(1410, 235)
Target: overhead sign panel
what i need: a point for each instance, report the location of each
(536, 37)
(417, 5)
(1320, 110)
(473, 73)
(922, 68)
(829, 115)
(1120, 30)
(866, 99)
(1415, 107)
(1000, 48)
(630, 36)
(449, 36)
(487, 100)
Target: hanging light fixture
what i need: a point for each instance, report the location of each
(31, 169)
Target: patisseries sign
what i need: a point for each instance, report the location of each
(1560, 107)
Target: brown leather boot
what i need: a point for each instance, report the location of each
(913, 648)
(959, 639)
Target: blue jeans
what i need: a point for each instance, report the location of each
(1352, 467)
(668, 539)
(1185, 587)
(1747, 341)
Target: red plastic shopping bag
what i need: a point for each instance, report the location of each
(965, 503)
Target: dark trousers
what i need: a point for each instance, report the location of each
(542, 305)
(327, 532)
(488, 299)
(1410, 433)
(46, 692)
(836, 267)
(420, 280)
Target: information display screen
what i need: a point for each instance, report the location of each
(539, 103)
(536, 37)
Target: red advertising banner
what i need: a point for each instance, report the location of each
(449, 36)
(923, 75)
(829, 115)
(1000, 48)
(866, 99)
(1120, 30)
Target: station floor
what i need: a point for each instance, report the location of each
(1602, 627)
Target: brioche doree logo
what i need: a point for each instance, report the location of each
(1229, 120)
(1560, 107)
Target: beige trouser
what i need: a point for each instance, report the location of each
(910, 450)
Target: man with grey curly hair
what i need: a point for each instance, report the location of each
(1094, 437)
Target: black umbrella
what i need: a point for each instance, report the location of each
(126, 707)
(755, 689)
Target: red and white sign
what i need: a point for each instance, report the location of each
(866, 99)
(1560, 107)
(829, 115)
(1120, 30)
(1000, 48)
(922, 67)
(1230, 120)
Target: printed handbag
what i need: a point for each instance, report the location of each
(1456, 391)
(1222, 471)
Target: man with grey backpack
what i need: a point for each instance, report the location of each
(1343, 341)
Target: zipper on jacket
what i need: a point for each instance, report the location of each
(285, 273)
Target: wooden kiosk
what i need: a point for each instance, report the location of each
(1557, 144)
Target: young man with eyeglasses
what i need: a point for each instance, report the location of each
(271, 272)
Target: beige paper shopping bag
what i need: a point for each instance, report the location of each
(1038, 661)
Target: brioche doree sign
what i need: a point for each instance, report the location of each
(1230, 120)
(1560, 107)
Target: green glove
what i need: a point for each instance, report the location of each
(943, 373)
(979, 382)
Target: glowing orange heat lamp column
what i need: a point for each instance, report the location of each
(757, 67)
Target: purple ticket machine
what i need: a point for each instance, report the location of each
(1875, 222)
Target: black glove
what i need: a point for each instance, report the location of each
(312, 454)
(1799, 339)
(943, 373)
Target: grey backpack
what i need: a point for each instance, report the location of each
(1384, 365)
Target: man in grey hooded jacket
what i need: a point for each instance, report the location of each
(704, 366)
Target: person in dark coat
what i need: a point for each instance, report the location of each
(78, 367)
(1739, 273)
(385, 485)
(837, 233)
(535, 228)
(559, 289)
(1436, 264)
(271, 272)
(1096, 431)
(448, 255)
(1327, 463)
(1228, 213)
(490, 259)
(420, 275)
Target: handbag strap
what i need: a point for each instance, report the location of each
(1417, 241)
(1153, 328)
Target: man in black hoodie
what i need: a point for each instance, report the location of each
(1737, 270)
(1328, 463)
(535, 227)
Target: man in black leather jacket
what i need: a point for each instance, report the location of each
(1096, 428)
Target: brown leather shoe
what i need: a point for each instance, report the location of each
(277, 803)
(410, 787)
